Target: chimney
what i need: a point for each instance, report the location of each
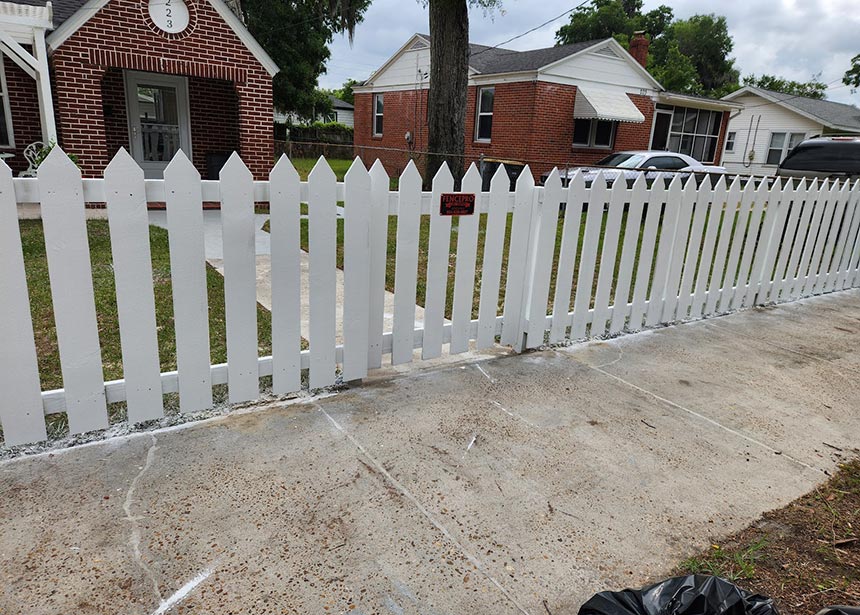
(639, 47)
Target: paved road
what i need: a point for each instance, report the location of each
(475, 488)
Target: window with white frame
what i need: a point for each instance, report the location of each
(6, 138)
(484, 121)
(730, 141)
(594, 133)
(780, 144)
(377, 114)
(694, 132)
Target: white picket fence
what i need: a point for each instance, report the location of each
(647, 256)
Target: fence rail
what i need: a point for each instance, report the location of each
(540, 264)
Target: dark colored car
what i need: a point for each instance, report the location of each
(823, 158)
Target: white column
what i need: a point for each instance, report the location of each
(43, 88)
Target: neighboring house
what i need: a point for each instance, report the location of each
(151, 76)
(341, 112)
(772, 123)
(559, 106)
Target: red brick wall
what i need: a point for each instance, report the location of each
(208, 49)
(24, 107)
(214, 109)
(532, 122)
(115, 116)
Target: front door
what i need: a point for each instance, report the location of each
(158, 120)
(660, 138)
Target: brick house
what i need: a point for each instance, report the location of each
(561, 106)
(153, 76)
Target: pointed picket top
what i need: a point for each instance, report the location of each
(4, 167)
(845, 192)
(777, 185)
(599, 180)
(284, 170)
(705, 185)
(57, 160)
(235, 168)
(473, 175)
(554, 180)
(526, 179)
(181, 166)
(640, 189)
(721, 183)
(577, 182)
(619, 187)
(813, 185)
(356, 172)
(690, 188)
(499, 180)
(639, 182)
(410, 176)
(734, 195)
(675, 185)
(378, 174)
(761, 191)
(749, 189)
(122, 162)
(443, 176)
(5, 172)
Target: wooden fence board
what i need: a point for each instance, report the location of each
(679, 250)
(758, 196)
(379, 183)
(438, 250)
(543, 256)
(356, 271)
(703, 276)
(518, 260)
(406, 269)
(606, 271)
(597, 197)
(632, 229)
(665, 249)
(647, 252)
(574, 196)
(464, 275)
(491, 270)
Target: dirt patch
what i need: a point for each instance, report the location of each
(805, 556)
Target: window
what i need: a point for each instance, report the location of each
(484, 121)
(730, 141)
(666, 163)
(780, 144)
(377, 114)
(594, 133)
(694, 132)
(6, 139)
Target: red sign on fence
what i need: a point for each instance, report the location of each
(457, 204)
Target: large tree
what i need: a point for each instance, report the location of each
(811, 89)
(686, 55)
(296, 34)
(852, 75)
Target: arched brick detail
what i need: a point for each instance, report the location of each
(174, 36)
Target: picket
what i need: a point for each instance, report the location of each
(700, 199)
(852, 239)
(806, 206)
(464, 276)
(837, 227)
(665, 248)
(789, 231)
(284, 226)
(839, 250)
(356, 271)
(406, 264)
(712, 201)
(758, 198)
(240, 279)
(727, 202)
(679, 248)
(656, 196)
(740, 223)
(628, 255)
(827, 198)
(21, 414)
(519, 260)
(491, 270)
(606, 272)
(767, 247)
(135, 299)
(574, 197)
(437, 267)
(587, 261)
(184, 203)
(322, 273)
(818, 205)
(70, 274)
(378, 251)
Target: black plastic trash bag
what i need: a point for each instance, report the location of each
(690, 595)
(840, 610)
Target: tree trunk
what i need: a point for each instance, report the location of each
(449, 81)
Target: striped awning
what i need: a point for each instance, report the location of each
(593, 103)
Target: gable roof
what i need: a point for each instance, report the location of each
(337, 103)
(70, 15)
(834, 115)
(492, 60)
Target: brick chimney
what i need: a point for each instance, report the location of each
(639, 47)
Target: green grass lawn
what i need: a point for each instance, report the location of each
(305, 165)
(105, 298)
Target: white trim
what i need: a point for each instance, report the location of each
(403, 49)
(784, 149)
(152, 169)
(7, 109)
(764, 94)
(374, 114)
(478, 113)
(26, 15)
(683, 100)
(83, 14)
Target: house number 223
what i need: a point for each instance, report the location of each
(169, 15)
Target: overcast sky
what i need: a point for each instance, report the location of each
(795, 39)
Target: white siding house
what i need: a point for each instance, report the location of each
(772, 123)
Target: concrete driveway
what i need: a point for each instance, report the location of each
(521, 484)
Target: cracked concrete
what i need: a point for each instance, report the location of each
(591, 467)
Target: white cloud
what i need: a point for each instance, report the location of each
(795, 39)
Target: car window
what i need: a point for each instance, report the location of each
(668, 163)
(621, 160)
(825, 156)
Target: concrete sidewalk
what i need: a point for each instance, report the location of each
(476, 488)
